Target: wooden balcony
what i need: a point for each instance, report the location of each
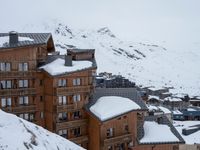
(118, 139)
(17, 74)
(71, 124)
(69, 107)
(16, 92)
(72, 90)
(79, 140)
(20, 109)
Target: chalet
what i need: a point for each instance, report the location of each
(113, 118)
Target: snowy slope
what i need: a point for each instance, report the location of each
(16, 133)
(145, 63)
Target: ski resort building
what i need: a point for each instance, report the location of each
(58, 92)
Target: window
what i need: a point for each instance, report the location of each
(110, 148)
(77, 115)
(23, 66)
(62, 116)
(42, 115)
(23, 100)
(5, 66)
(63, 133)
(6, 102)
(62, 100)
(126, 128)
(77, 132)
(110, 132)
(41, 82)
(23, 83)
(77, 81)
(62, 82)
(27, 116)
(76, 98)
(6, 84)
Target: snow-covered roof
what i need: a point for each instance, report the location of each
(25, 39)
(164, 109)
(155, 133)
(5, 40)
(108, 107)
(58, 67)
(191, 109)
(172, 99)
(152, 108)
(16, 133)
(153, 97)
(177, 112)
(189, 139)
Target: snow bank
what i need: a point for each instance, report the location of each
(58, 66)
(172, 99)
(154, 132)
(108, 107)
(16, 133)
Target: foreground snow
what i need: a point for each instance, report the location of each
(154, 132)
(58, 66)
(189, 139)
(16, 133)
(108, 107)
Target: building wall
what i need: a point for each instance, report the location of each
(157, 147)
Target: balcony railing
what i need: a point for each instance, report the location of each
(20, 109)
(17, 74)
(71, 90)
(79, 140)
(15, 92)
(71, 124)
(118, 139)
(69, 107)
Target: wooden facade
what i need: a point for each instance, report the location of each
(114, 134)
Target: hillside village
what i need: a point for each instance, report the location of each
(64, 94)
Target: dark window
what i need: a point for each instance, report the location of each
(77, 115)
(77, 132)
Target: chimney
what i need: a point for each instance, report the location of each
(68, 60)
(13, 37)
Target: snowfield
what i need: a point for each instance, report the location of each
(18, 134)
(146, 63)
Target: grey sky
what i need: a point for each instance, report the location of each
(156, 20)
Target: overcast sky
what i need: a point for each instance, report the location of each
(175, 21)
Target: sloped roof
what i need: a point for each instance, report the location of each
(130, 93)
(163, 120)
(38, 39)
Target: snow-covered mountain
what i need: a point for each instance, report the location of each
(145, 63)
(18, 134)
